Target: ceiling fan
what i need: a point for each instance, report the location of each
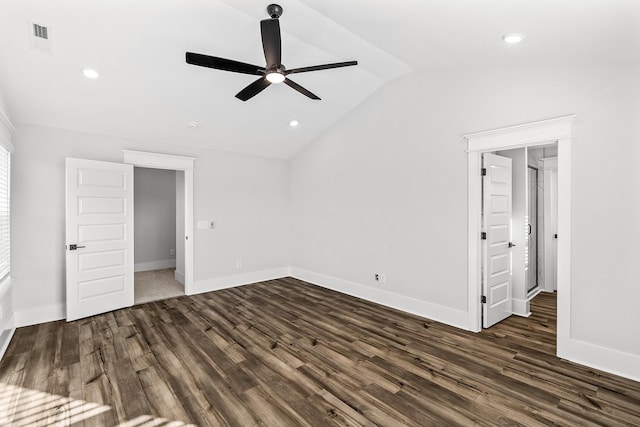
(274, 71)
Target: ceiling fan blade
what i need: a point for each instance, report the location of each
(300, 89)
(271, 42)
(253, 89)
(223, 64)
(321, 67)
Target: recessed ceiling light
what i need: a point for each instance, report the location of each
(90, 73)
(193, 125)
(294, 123)
(513, 38)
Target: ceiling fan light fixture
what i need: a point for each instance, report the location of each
(275, 77)
(513, 38)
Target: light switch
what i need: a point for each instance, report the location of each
(205, 225)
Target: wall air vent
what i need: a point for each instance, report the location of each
(39, 37)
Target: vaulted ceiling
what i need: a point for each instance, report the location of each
(147, 92)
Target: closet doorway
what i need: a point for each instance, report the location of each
(176, 175)
(533, 228)
(544, 132)
(158, 252)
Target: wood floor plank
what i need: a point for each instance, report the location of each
(161, 397)
(287, 353)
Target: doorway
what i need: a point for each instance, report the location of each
(182, 168)
(529, 216)
(559, 130)
(98, 230)
(158, 262)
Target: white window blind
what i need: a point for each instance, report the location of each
(5, 226)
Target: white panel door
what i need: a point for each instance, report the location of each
(496, 284)
(99, 236)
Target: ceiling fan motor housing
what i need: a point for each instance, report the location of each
(274, 10)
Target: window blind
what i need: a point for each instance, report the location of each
(5, 225)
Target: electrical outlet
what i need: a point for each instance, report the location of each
(380, 277)
(238, 264)
(172, 251)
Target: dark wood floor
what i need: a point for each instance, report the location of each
(286, 353)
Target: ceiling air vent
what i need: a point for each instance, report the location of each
(39, 37)
(40, 31)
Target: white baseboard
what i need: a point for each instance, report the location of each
(154, 265)
(439, 313)
(233, 280)
(179, 276)
(34, 316)
(520, 307)
(605, 359)
(7, 333)
(52, 313)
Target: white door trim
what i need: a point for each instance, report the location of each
(549, 165)
(558, 130)
(181, 163)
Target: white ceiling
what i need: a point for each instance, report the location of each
(147, 91)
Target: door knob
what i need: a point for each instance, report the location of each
(74, 247)
(511, 244)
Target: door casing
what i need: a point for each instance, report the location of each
(533, 134)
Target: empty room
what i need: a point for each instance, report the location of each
(319, 213)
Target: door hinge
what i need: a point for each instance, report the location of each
(483, 235)
(483, 299)
(483, 172)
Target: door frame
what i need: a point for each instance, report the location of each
(144, 159)
(550, 245)
(532, 134)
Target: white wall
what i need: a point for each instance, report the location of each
(249, 201)
(154, 218)
(249, 196)
(385, 189)
(3, 104)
